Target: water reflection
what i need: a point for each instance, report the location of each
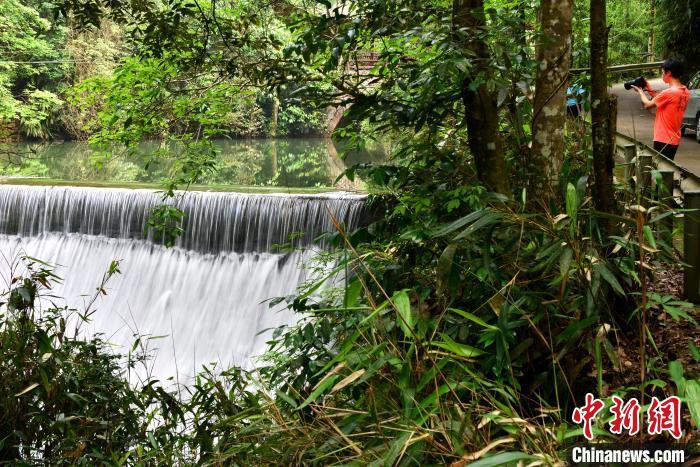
(303, 163)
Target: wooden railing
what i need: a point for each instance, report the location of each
(640, 160)
(622, 68)
(362, 62)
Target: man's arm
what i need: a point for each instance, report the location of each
(648, 103)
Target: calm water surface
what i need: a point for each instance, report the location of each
(295, 163)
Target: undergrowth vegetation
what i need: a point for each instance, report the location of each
(493, 285)
(466, 329)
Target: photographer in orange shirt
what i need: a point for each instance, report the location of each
(670, 106)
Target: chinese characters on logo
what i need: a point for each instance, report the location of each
(662, 416)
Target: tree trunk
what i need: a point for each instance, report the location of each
(603, 112)
(514, 112)
(549, 108)
(275, 116)
(652, 39)
(481, 110)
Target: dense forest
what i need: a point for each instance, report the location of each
(505, 266)
(57, 76)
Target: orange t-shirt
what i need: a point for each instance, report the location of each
(670, 107)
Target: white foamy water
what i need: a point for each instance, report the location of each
(208, 295)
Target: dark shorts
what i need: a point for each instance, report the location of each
(668, 150)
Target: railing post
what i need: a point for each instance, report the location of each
(665, 194)
(644, 166)
(629, 152)
(691, 246)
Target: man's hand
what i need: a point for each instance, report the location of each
(640, 91)
(648, 103)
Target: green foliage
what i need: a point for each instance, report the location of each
(62, 399)
(467, 320)
(31, 67)
(679, 25)
(632, 23)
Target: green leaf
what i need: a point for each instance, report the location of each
(675, 370)
(501, 459)
(404, 314)
(475, 319)
(608, 277)
(489, 218)
(692, 398)
(574, 328)
(320, 389)
(649, 235)
(458, 223)
(152, 439)
(565, 261)
(395, 449)
(656, 382)
(287, 398)
(444, 268)
(462, 350)
(429, 405)
(661, 217)
(677, 313)
(571, 200)
(598, 363)
(352, 293)
(319, 283)
(694, 351)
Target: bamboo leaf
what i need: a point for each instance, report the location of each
(27, 389)
(649, 235)
(565, 261)
(608, 277)
(462, 350)
(574, 328)
(474, 318)
(692, 398)
(571, 200)
(352, 293)
(458, 223)
(503, 458)
(319, 390)
(287, 398)
(403, 309)
(694, 351)
(444, 268)
(487, 219)
(347, 380)
(396, 448)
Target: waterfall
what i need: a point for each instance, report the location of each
(207, 294)
(214, 222)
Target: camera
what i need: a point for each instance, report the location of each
(639, 81)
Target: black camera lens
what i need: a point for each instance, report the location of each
(639, 81)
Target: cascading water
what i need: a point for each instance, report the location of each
(207, 294)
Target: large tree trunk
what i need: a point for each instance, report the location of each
(549, 109)
(481, 110)
(603, 112)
